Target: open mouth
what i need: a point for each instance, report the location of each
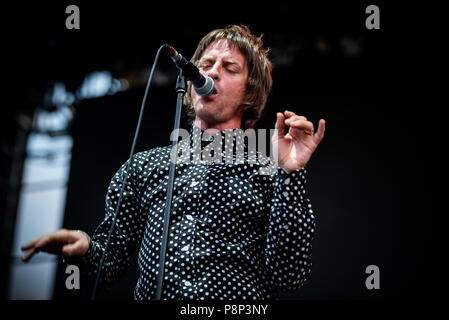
(211, 96)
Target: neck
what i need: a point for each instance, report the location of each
(234, 123)
(204, 125)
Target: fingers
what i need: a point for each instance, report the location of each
(30, 244)
(290, 114)
(280, 125)
(64, 235)
(51, 242)
(27, 256)
(30, 249)
(299, 122)
(77, 248)
(320, 132)
(71, 249)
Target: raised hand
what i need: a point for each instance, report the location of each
(296, 147)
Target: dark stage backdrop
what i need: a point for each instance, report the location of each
(362, 179)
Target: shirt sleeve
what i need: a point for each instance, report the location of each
(291, 227)
(126, 234)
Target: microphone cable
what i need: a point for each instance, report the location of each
(114, 220)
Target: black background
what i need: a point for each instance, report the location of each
(363, 178)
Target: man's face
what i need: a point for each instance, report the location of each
(227, 66)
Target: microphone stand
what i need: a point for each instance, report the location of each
(181, 90)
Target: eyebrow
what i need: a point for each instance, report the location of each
(225, 62)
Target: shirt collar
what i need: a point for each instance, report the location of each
(228, 137)
(233, 146)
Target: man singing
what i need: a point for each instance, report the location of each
(235, 232)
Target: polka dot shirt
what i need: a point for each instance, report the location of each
(240, 227)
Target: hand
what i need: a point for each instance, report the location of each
(65, 242)
(296, 147)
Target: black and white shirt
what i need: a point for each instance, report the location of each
(236, 231)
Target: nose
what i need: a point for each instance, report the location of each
(215, 71)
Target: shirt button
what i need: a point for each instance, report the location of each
(187, 283)
(189, 217)
(194, 183)
(185, 248)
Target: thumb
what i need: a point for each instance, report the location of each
(280, 125)
(70, 249)
(77, 248)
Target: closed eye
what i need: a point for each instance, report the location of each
(204, 66)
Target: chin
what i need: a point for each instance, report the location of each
(207, 118)
(207, 113)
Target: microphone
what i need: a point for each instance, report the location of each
(203, 85)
